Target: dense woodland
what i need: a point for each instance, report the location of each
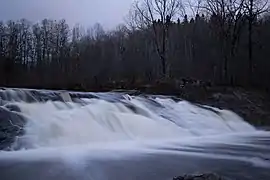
(218, 44)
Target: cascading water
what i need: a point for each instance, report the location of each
(69, 135)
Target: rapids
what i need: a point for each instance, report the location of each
(123, 135)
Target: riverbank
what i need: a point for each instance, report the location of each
(251, 104)
(208, 176)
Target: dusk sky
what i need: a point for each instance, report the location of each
(109, 13)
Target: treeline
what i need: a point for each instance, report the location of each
(50, 54)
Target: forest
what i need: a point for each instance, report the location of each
(221, 42)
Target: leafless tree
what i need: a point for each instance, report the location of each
(50, 54)
(253, 8)
(195, 7)
(157, 15)
(226, 16)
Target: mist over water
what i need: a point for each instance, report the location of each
(118, 135)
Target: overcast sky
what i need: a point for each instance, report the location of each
(109, 13)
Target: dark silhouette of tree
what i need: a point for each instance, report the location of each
(213, 45)
(254, 8)
(145, 14)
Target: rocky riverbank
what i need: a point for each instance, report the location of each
(200, 177)
(251, 104)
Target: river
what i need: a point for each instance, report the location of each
(123, 135)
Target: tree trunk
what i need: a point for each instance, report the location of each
(225, 78)
(250, 53)
(163, 64)
(163, 56)
(250, 44)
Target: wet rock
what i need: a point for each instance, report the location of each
(11, 127)
(200, 177)
(13, 107)
(65, 97)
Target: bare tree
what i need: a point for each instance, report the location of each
(37, 45)
(194, 6)
(3, 49)
(254, 8)
(98, 31)
(25, 41)
(50, 54)
(157, 15)
(3, 39)
(227, 20)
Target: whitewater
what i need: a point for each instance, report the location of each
(124, 135)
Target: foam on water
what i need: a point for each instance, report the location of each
(54, 124)
(115, 126)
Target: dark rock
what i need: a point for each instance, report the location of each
(200, 177)
(13, 107)
(11, 126)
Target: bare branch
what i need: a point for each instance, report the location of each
(147, 12)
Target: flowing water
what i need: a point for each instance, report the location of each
(119, 135)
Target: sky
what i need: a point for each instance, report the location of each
(109, 13)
